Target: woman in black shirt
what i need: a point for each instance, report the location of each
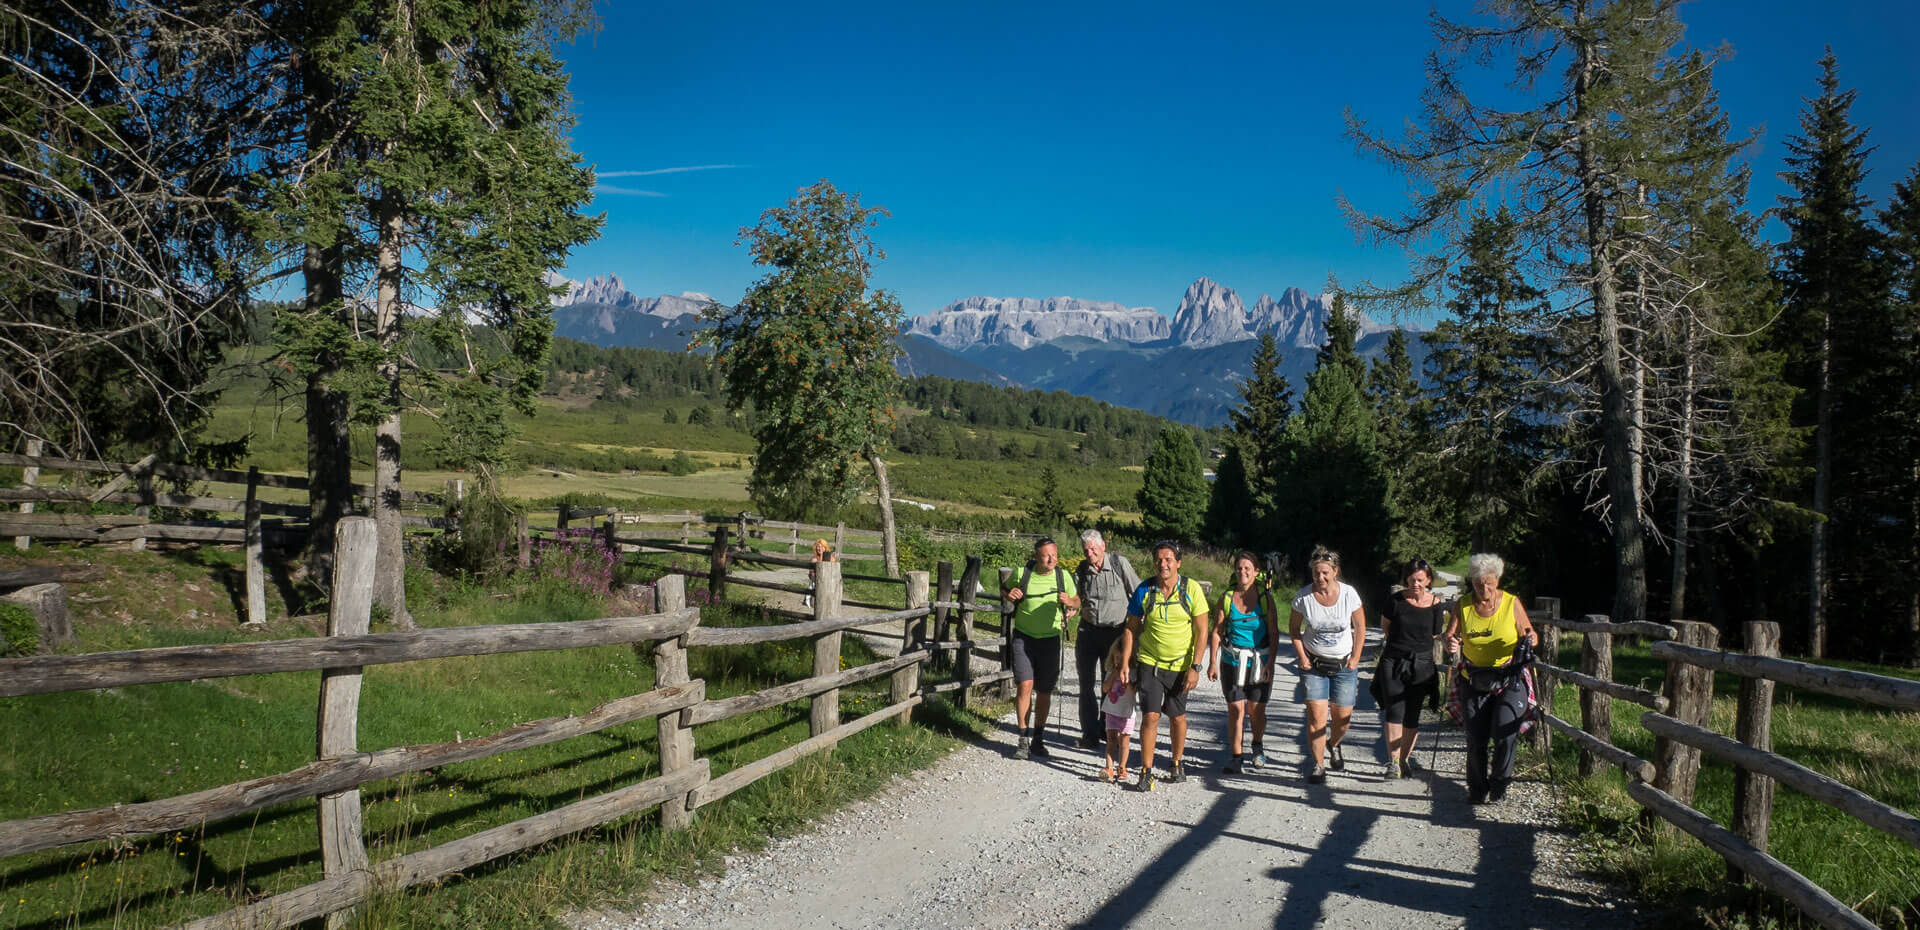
(1405, 675)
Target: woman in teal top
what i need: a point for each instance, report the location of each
(1241, 646)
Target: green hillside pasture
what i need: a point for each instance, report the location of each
(87, 749)
(1876, 751)
(1011, 486)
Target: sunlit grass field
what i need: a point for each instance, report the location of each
(89, 749)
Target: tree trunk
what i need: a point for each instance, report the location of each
(329, 443)
(389, 573)
(889, 542)
(1822, 484)
(1616, 425)
(1683, 492)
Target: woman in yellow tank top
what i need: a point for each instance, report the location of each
(1486, 629)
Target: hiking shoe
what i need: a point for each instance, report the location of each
(1146, 780)
(1476, 797)
(1177, 774)
(1408, 767)
(1394, 771)
(1232, 767)
(1496, 794)
(1092, 742)
(1040, 750)
(1318, 776)
(1336, 760)
(1259, 760)
(1106, 774)
(1024, 750)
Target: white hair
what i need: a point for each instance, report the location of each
(1091, 535)
(1485, 565)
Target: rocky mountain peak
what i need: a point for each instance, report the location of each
(1024, 322)
(1210, 314)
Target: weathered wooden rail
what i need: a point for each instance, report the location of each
(134, 484)
(677, 702)
(1677, 717)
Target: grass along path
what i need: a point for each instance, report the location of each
(88, 749)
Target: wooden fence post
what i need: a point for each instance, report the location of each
(526, 540)
(1007, 686)
(1753, 792)
(717, 567)
(906, 681)
(742, 518)
(29, 477)
(256, 563)
(840, 536)
(669, 669)
(793, 540)
(456, 505)
(943, 591)
(563, 517)
(1547, 608)
(607, 531)
(962, 631)
(1596, 709)
(342, 848)
(826, 649)
(1689, 691)
(144, 510)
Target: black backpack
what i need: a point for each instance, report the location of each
(1059, 579)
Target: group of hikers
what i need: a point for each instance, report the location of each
(1146, 642)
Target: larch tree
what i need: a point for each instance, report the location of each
(132, 139)
(811, 347)
(1562, 147)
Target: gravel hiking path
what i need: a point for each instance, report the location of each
(983, 840)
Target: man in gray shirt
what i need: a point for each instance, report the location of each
(1106, 582)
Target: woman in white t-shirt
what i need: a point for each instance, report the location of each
(1328, 627)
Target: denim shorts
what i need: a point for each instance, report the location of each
(1343, 686)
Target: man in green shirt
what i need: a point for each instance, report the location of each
(1043, 596)
(1166, 629)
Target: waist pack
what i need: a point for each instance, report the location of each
(1485, 680)
(1323, 665)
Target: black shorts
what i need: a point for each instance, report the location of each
(1257, 692)
(1037, 660)
(1161, 691)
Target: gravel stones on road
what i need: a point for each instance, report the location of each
(982, 840)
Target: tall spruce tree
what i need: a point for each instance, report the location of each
(1900, 259)
(1832, 297)
(1417, 503)
(1592, 78)
(1173, 490)
(1048, 512)
(441, 176)
(1259, 426)
(1495, 410)
(1335, 487)
(1230, 505)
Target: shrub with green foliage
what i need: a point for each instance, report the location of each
(19, 631)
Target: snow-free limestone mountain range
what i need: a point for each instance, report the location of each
(1193, 362)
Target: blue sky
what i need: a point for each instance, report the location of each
(1110, 151)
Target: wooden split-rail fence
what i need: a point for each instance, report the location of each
(264, 524)
(936, 623)
(1677, 717)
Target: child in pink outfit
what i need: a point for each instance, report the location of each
(1117, 705)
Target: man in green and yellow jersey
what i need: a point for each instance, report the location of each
(1166, 629)
(1043, 596)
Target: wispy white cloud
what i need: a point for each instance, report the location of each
(653, 171)
(629, 191)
